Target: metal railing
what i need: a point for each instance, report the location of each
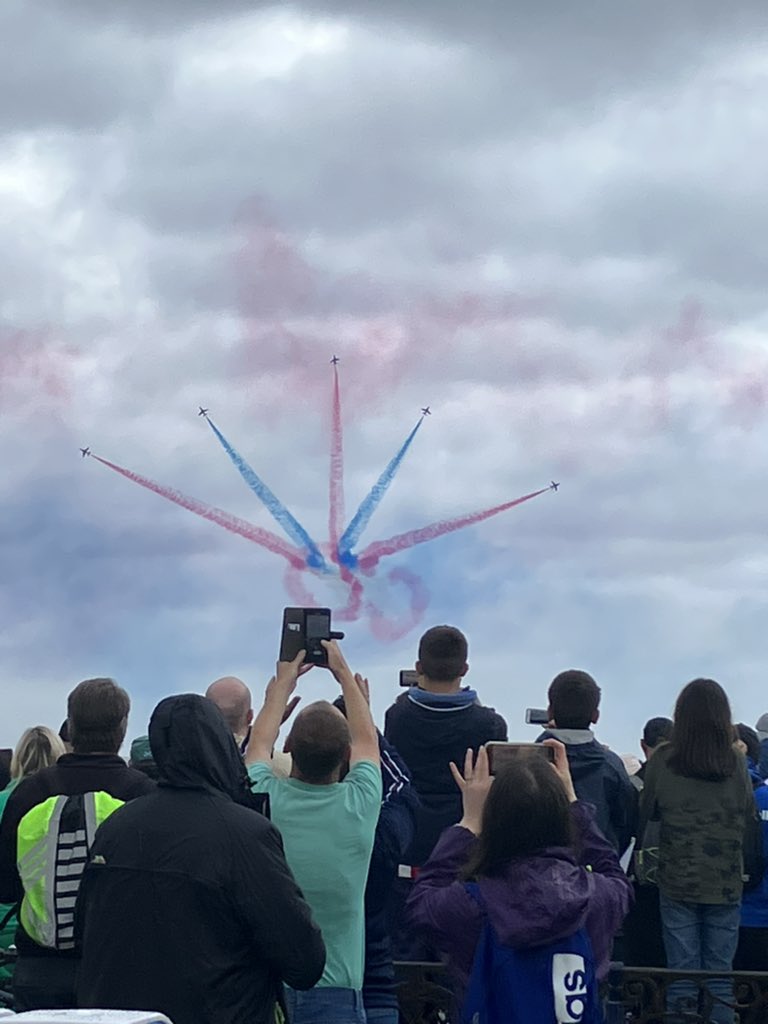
(652, 996)
(632, 995)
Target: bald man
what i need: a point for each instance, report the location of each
(233, 698)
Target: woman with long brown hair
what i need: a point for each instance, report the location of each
(698, 789)
(521, 877)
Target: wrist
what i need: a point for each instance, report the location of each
(345, 677)
(283, 688)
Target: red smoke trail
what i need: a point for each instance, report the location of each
(264, 538)
(369, 558)
(304, 598)
(388, 629)
(336, 483)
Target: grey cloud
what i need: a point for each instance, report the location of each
(57, 73)
(505, 207)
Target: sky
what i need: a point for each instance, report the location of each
(545, 221)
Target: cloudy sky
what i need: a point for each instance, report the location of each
(545, 220)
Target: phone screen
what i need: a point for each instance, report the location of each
(500, 753)
(318, 625)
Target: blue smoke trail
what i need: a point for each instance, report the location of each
(280, 513)
(371, 502)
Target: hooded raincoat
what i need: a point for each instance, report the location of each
(535, 901)
(188, 906)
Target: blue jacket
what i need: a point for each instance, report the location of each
(762, 765)
(429, 731)
(394, 835)
(600, 778)
(754, 904)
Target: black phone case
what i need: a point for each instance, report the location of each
(292, 640)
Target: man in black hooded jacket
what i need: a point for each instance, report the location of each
(188, 906)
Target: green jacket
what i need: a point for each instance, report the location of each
(701, 835)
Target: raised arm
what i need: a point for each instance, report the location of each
(267, 723)
(362, 728)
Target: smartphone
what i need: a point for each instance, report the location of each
(500, 753)
(303, 629)
(409, 677)
(536, 716)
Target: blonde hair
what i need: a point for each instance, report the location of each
(38, 748)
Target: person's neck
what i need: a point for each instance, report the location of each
(439, 686)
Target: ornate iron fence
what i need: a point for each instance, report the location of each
(633, 995)
(649, 996)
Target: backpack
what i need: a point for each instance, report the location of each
(53, 844)
(552, 984)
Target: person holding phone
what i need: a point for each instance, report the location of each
(430, 725)
(517, 864)
(327, 816)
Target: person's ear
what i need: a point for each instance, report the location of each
(249, 716)
(288, 745)
(419, 669)
(644, 748)
(464, 670)
(596, 716)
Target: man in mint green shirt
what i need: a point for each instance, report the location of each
(327, 823)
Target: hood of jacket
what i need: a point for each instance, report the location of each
(585, 752)
(538, 899)
(194, 749)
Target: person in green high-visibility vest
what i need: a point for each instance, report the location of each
(45, 836)
(39, 747)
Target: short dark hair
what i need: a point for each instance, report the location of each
(526, 811)
(443, 653)
(319, 741)
(574, 697)
(751, 741)
(656, 730)
(703, 736)
(97, 710)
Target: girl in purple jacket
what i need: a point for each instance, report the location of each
(544, 869)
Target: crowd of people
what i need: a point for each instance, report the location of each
(216, 878)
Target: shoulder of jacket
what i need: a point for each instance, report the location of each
(491, 712)
(31, 791)
(400, 701)
(613, 758)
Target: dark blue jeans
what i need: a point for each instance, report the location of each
(325, 1005)
(700, 937)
